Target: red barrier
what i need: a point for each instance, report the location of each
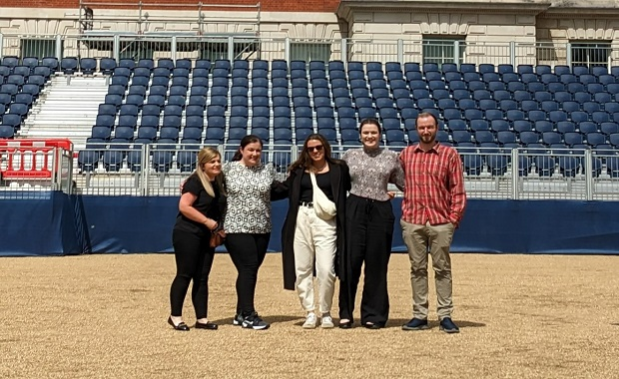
(32, 158)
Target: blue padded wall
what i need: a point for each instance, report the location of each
(57, 224)
(38, 223)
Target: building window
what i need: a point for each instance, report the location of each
(40, 48)
(310, 52)
(443, 50)
(590, 54)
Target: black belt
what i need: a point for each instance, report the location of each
(308, 204)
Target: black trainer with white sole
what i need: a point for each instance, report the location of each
(254, 322)
(237, 320)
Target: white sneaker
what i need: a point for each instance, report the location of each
(310, 321)
(327, 322)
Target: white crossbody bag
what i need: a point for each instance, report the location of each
(324, 208)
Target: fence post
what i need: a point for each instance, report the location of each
(457, 53)
(588, 167)
(287, 51)
(401, 51)
(568, 54)
(231, 49)
(2, 45)
(59, 47)
(344, 48)
(145, 176)
(116, 48)
(512, 53)
(173, 49)
(515, 173)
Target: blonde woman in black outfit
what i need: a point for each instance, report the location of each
(201, 208)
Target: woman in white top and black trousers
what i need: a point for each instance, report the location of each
(311, 241)
(250, 187)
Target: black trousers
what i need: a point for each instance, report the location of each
(369, 232)
(194, 259)
(247, 252)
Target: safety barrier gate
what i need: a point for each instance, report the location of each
(45, 162)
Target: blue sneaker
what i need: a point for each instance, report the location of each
(448, 326)
(416, 324)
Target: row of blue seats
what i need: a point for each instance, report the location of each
(107, 65)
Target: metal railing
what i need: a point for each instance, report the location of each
(137, 12)
(252, 47)
(35, 169)
(151, 170)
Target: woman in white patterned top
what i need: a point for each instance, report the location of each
(250, 186)
(369, 227)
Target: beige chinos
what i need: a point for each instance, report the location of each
(418, 238)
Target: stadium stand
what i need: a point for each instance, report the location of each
(218, 102)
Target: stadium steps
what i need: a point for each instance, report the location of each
(67, 109)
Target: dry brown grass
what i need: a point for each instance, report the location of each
(104, 316)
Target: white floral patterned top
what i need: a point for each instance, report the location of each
(249, 198)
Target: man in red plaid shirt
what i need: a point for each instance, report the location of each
(433, 205)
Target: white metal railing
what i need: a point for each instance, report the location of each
(152, 170)
(251, 47)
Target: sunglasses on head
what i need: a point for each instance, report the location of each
(315, 148)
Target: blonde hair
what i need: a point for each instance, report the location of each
(206, 155)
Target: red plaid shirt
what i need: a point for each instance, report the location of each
(434, 186)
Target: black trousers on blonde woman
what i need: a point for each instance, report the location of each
(194, 259)
(369, 230)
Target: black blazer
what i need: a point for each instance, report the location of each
(340, 185)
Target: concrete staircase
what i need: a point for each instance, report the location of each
(66, 109)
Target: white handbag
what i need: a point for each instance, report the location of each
(324, 208)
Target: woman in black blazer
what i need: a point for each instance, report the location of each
(306, 238)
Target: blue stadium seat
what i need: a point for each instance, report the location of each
(595, 139)
(516, 87)
(529, 138)
(51, 63)
(556, 87)
(520, 126)
(282, 123)
(606, 80)
(493, 114)
(549, 78)
(149, 121)
(467, 68)
(460, 136)
(591, 107)
(214, 134)
(505, 69)
(7, 131)
(499, 126)
(527, 78)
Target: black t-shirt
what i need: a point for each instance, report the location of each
(324, 182)
(211, 207)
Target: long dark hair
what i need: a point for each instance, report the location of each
(305, 161)
(244, 142)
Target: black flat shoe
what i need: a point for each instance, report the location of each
(181, 326)
(369, 325)
(345, 325)
(207, 326)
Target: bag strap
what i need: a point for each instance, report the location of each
(313, 178)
